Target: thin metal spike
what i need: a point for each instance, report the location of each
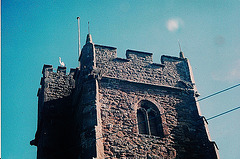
(79, 42)
(179, 46)
(88, 28)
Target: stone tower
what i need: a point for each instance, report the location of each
(112, 107)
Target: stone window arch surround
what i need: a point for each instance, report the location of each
(156, 109)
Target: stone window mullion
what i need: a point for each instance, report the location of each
(153, 125)
(147, 122)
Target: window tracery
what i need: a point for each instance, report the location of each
(149, 119)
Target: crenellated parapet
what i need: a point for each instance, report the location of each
(56, 84)
(139, 67)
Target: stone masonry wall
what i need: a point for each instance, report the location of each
(184, 137)
(55, 132)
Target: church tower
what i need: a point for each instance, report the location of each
(112, 107)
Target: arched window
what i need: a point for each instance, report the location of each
(142, 121)
(149, 120)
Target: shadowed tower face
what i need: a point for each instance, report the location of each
(112, 107)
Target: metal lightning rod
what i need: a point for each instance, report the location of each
(179, 46)
(88, 28)
(79, 42)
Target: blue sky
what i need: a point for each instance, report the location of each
(38, 32)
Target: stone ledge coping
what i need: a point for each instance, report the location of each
(141, 52)
(103, 46)
(172, 57)
(140, 83)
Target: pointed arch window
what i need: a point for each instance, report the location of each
(149, 119)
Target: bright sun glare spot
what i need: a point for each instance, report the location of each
(174, 24)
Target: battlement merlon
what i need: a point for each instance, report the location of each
(165, 58)
(139, 55)
(61, 69)
(49, 68)
(105, 53)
